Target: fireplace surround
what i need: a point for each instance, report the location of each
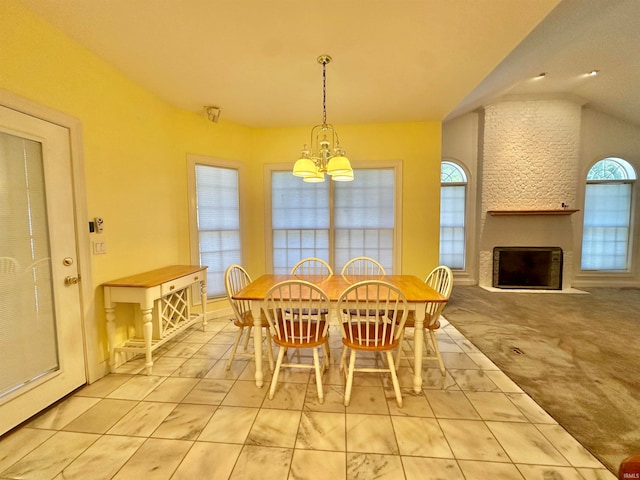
(527, 267)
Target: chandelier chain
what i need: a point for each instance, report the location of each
(324, 93)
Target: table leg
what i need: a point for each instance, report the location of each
(418, 342)
(203, 299)
(147, 332)
(111, 335)
(257, 342)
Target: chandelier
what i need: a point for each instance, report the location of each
(323, 153)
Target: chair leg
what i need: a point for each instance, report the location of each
(316, 364)
(399, 352)
(247, 338)
(325, 356)
(274, 380)
(347, 388)
(235, 348)
(343, 360)
(394, 378)
(436, 350)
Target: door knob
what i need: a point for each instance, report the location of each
(71, 280)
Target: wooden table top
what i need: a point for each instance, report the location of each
(155, 277)
(413, 288)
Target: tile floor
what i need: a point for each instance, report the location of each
(193, 419)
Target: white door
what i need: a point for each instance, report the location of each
(41, 340)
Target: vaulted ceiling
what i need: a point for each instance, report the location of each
(393, 60)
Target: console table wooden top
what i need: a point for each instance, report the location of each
(156, 277)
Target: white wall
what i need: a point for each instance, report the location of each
(510, 151)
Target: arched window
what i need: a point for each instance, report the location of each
(607, 215)
(453, 194)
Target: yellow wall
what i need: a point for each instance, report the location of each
(135, 148)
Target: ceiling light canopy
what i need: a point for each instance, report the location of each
(323, 154)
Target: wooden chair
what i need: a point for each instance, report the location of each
(312, 266)
(291, 308)
(362, 331)
(441, 280)
(363, 266)
(235, 279)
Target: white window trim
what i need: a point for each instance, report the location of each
(396, 165)
(194, 246)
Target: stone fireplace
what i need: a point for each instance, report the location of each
(528, 173)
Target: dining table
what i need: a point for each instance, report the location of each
(417, 293)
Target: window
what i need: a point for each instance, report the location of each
(607, 215)
(334, 221)
(453, 194)
(214, 219)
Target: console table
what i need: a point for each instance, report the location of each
(164, 297)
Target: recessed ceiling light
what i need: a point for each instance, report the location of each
(593, 73)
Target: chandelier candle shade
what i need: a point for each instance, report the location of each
(323, 155)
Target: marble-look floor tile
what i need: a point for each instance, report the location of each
(489, 470)
(543, 472)
(185, 422)
(103, 387)
(199, 462)
(275, 428)
(504, 383)
(482, 361)
(432, 379)
(458, 360)
(229, 425)
(371, 434)
(172, 390)
(365, 399)
(165, 365)
(16, 444)
(413, 405)
(495, 406)
(524, 443)
(427, 468)
(451, 404)
(194, 368)
(219, 370)
(142, 419)
(103, 459)
(472, 440)
(58, 416)
(199, 336)
(596, 474)
(333, 399)
(137, 387)
(245, 394)
(288, 396)
(473, 380)
(183, 349)
(420, 437)
(530, 409)
(321, 431)
(307, 465)
(572, 450)
(102, 416)
(156, 459)
(366, 466)
(214, 351)
(48, 459)
(209, 392)
(252, 460)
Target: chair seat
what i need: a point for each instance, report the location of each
(372, 341)
(246, 320)
(411, 321)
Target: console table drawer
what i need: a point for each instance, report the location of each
(179, 283)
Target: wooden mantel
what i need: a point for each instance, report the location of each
(559, 211)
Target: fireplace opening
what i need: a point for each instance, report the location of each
(527, 267)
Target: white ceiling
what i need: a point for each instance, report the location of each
(393, 60)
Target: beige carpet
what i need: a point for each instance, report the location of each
(579, 360)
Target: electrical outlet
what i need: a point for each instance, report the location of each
(99, 224)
